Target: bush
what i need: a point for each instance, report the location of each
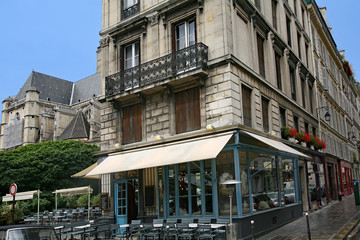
(95, 201)
(6, 213)
(82, 201)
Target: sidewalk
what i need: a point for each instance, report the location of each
(334, 221)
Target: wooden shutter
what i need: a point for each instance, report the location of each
(180, 112)
(137, 123)
(260, 47)
(132, 124)
(194, 109)
(126, 124)
(246, 98)
(265, 114)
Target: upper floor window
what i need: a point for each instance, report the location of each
(265, 114)
(303, 89)
(282, 116)
(261, 57)
(278, 70)
(185, 35)
(132, 124)
(288, 29)
(131, 54)
(187, 110)
(246, 104)
(130, 7)
(257, 4)
(274, 13)
(299, 44)
(292, 83)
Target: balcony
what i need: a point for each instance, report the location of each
(183, 61)
(128, 12)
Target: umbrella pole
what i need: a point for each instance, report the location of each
(38, 207)
(89, 203)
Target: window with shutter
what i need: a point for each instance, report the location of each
(187, 110)
(246, 104)
(292, 83)
(261, 60)
(132, 124)
(325, 78)
(265, 114)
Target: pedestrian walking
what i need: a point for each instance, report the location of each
(318, 196)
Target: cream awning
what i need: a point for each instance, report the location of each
(20, 196)
(167, 154)
(82, 173)
(276, 144)
(74, 191)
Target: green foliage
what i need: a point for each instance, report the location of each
(6, 213)
(71, 201)
(82, 201)
(95, 201)
(44, 166)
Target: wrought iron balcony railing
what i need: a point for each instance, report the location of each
(184, 60)
(128, 12)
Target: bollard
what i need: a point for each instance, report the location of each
(308, 225)
(252, 230)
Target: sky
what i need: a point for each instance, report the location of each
(60, 38)
(54, 37)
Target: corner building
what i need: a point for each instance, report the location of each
(195, 93)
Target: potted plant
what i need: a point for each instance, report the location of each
(285, 132)
(303, 138)
(293, 134)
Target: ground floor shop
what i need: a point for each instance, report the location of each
(345, 178)
(184, 179)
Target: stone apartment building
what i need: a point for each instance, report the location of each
(196, 92)
(49, 108)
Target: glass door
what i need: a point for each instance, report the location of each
(126, 200)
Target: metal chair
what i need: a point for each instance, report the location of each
(206, 232)
(185, 232)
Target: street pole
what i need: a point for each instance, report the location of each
(13, 210)
(252, 230)
(308, 225)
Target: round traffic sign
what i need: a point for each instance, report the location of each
(13, 189)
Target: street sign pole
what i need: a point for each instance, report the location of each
(13, 190)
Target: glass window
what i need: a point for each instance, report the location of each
(264, 181)
(225, 171)
(246, 104)
(244, 178)
(172, 202)
(131, 53)
(288, 181)
(185, 34)
(261, 56)
(208, 187)
(195, 180)
(161, 191)
(129, 3)
(183, 189)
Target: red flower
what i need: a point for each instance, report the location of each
(323, 145)
(293, 132)
(306, 137)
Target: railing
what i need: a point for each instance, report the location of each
(130, 11)
(184, 60)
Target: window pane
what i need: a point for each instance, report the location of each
(244, 181)
(180, 37)
(208, 187)
(288, 181)
(263, 181)
(195, 188)
(172, 202)
(225, 171)
(161, 191)
(191, 33)
(246, 104)
(183, 189)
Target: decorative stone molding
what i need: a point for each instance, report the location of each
(154, 18)
(201, 5)
(104, 42)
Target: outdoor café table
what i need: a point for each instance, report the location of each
(79, 230)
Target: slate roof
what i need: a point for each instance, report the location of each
(50, 88)
(58, 90)
(78, 128)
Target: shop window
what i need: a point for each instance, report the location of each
(183, 184)
(172, 191)
(225, 171)
(132, 124)
(244, 178)
(208, 183)
(288, 181)
(161, 187)
(195, 187)
(187, 110)
(246, 104)
(264, 181)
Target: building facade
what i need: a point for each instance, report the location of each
(199, 92)
(46, 107)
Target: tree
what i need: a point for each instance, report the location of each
(46, 166)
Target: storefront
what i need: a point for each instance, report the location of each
(184, 180)
(345, 178)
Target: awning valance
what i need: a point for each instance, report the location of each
(20, 196)
(167, 154)
(74, 191)
(276, 144)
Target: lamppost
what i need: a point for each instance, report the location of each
(327, 117)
